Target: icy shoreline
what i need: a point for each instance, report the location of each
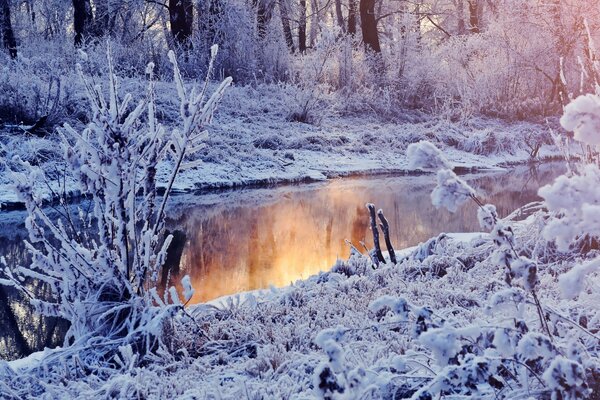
(273, 151)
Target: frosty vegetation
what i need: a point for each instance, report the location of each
(510, 312)
(479, 316)
(103, 263)
(456, 58)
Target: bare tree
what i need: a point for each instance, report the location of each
(368, 24)
(105, 16)
(181, 17)
(339, 16)
(352, 17)
(460, 16)
(264, 12)
(8, 35)
(83, 20)
(210, 15)
(284, 10)
(302, 27)
(474, 16)
(315, 20)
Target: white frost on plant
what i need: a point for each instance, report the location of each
(576, 200)
(188, 290)
(425, 156)
(582, 117)
(451, 191)
(525, 269)
(566, 379)
(503, 235)
(335, 334)
(399, 306)
(504, 342)
(328, 340)
(487, 216)
(572, 282)
(443, 343)
(534, 346)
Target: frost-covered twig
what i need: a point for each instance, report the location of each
(375, 232)
(102, 282)
(385, 227)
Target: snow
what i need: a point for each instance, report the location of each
(286, 342)
(574, 199)
(251, 142)
(451, 191)
(426, 156)
(32, 360)
(442, 342)
(572, 282)
(487, 217)
(462, 325)
(566, 379)
(582, 117)
(511, 312)
(188, 290)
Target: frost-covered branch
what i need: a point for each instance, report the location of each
(101, 267)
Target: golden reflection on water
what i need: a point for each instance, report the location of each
(247, 239)
(298, 233)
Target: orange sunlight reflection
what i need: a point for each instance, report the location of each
(253, 244)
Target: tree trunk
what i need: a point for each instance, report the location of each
(302, 27)
(8, 35)
(82, 20)
(418, 23)
(105, 17)
(460, 16)
(474, 16)
(339, 15)
(30, 13)
(264, 9)
(314, 21)
(209, 17)
(368, 25)
(181, 17)
(285, 22)
(352, 17)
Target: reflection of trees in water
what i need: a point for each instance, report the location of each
(243, 248)
(236, 245)
(23, 330)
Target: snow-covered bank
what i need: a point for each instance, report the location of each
(253, 142)
(268, 346)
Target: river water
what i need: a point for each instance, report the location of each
(244, 239)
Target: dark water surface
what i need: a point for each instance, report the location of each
(246, 239)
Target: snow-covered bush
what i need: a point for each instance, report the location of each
(572, 199)
(424, 155)
(468, 369)
(102, 264)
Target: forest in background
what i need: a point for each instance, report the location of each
(512, 59)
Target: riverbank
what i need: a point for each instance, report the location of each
(345, 334)
(252, 143)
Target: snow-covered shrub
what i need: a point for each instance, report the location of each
(424, 155)
(314, 77)
(582, 117)
(566, 379)
(572, 199)
(451, 191)
(26, 95)
(478, 360)
(102, 264)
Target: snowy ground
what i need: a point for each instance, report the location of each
(268, 345)
(252, 141)
(456, 317)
